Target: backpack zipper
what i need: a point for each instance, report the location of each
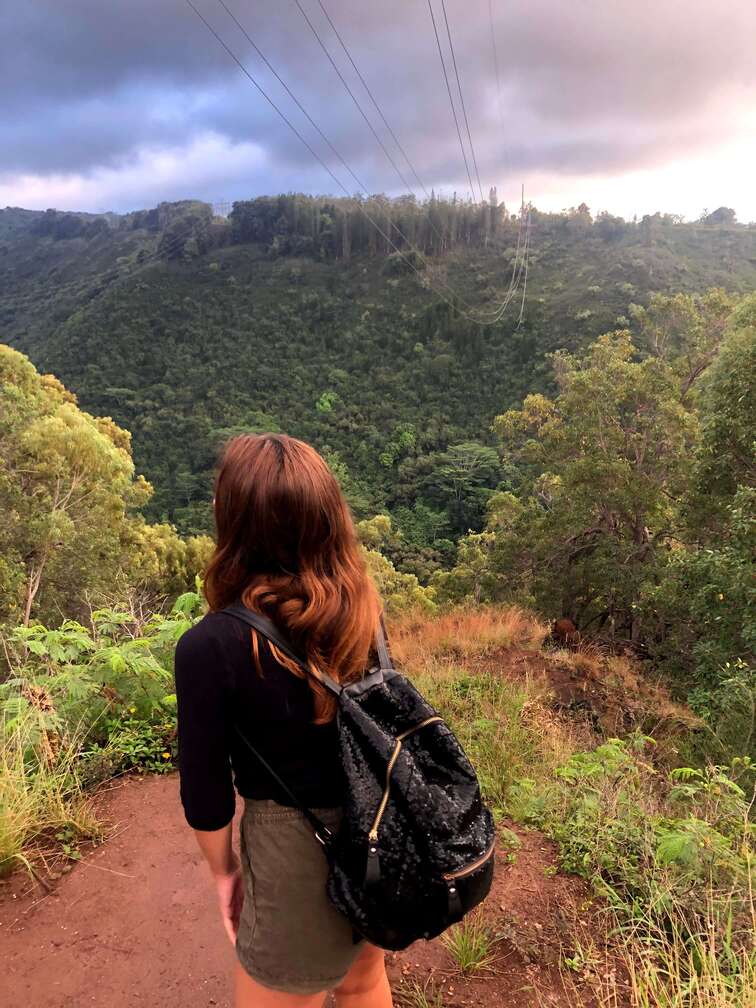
(469, 869)
(373, 834)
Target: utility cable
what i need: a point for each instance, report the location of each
(290, 93)
(454, 306)
(364, 83)
(527, 258)
(352, 95)
(360, 184)
(373, 100)
(461, 99)
(451, 100)
(499, 100)
(496, 62)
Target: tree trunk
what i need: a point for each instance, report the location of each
(35, 579)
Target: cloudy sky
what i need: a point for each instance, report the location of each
(631, 105)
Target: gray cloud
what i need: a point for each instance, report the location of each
(587, 86)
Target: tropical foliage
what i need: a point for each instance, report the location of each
(70, 521)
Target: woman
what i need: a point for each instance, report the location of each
(286, 547)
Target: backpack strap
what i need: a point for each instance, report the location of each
(319, 828)
(381, 646)
(268, 629)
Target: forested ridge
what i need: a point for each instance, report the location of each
(295, 314)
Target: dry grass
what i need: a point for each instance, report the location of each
(505, 723)
(506, 728)
(465, 633)
(39, 796)
(413, 994)
(667, 968)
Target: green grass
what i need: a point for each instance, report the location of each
(670, 853)
(700, 971)
(82, 704)
(471, 944)
(504, 727)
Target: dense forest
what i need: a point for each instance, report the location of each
(294, 314)
(535, 417)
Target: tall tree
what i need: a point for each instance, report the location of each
(68, 494)
(609, 463)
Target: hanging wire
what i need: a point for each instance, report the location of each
(360, 184)
(441, 238)
(290, 93)
(496, 63)
(470, 311)
(159, 254)
(452, 301)
(352, 95)
(461, 99)
(373, 100)
(499, 99)
(451, 100)
(525, 284)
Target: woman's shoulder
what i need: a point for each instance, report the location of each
(214, 630)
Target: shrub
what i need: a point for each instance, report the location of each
(81, 704)
(668, 853)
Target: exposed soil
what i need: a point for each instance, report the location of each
(610, 693)
(135, 924)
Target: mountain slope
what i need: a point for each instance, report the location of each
(182, 329)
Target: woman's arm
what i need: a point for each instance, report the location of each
(205, 724)
(216, 846)
(218, 851)
(207, 791)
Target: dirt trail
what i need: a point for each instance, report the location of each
(135, 924)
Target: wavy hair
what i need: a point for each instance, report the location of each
(286, 547)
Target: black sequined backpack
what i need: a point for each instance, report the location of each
(415, 849)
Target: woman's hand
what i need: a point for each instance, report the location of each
(230, 888)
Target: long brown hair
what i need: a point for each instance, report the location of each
(287, 547)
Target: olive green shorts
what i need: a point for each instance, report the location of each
(290, 936)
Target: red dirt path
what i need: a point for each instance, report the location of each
(135, 924)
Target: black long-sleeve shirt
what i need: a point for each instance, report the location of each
(217, 688)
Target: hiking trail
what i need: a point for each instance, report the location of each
(134, 923)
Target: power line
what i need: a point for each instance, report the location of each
(451, 100)
(496, 61)
(290, 93)
(269, 100)
(455, 299)
(499, 101)
(351, 94)
(385, 121)
(341, 186)
(527, 259)
(373, 100)
(517, 264)
(360, 184)
(461, 98)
